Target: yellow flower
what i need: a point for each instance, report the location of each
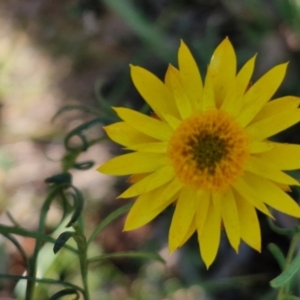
(206, 150)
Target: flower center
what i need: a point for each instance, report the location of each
(209, 150)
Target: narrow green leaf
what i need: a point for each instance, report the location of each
(78, 205)
(115, 214)
(281, 231)
(42, 280)
(18, 246)
(69, 160)
(78, 131)
(85, 165)
(64, 293)
(62, 239)
(105, 104)
(277, 253)
(84, 108)
(55, 190)
(65, 177)
(66, 207)
(12, 219)
(288, 273)
(131, 254)
(32, 234)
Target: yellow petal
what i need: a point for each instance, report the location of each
(204, 200)
(124, 134)
(260, 93)
(190, 232)
(230, 218)
(268, 169)
(145, 124)
(153, 91)
(208, 98)
(284, 156)
(277, 106)
(273, 195)
(168, 78)
(284, 187)
(133, 163)
(150, 182)
(222, 69)
(242, 187)
(137, 177)
(270, 126)
(155, 147)
(183, 216)
(244, 76)
(182, 101)
(143, 210)
(233, 101)
(172, 121)
(259, 147)
(217, 198)
(209, 238)
(190, 75)
(249, 225)
(169, 193)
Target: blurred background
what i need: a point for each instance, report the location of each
(77, 52)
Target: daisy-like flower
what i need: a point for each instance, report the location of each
(206, 150)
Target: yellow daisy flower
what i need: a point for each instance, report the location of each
(206, 150)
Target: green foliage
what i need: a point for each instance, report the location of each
(288, 273)
(65, 292)
(61, 189)
(289, 265)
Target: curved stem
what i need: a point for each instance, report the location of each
(284, 289)
(82, 254)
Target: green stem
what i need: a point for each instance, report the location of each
(32, 268)
(84, 271)
(284, 288)
(84, 274)
(83, 267)
(82, 253)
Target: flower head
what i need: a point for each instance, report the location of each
(206, 150)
